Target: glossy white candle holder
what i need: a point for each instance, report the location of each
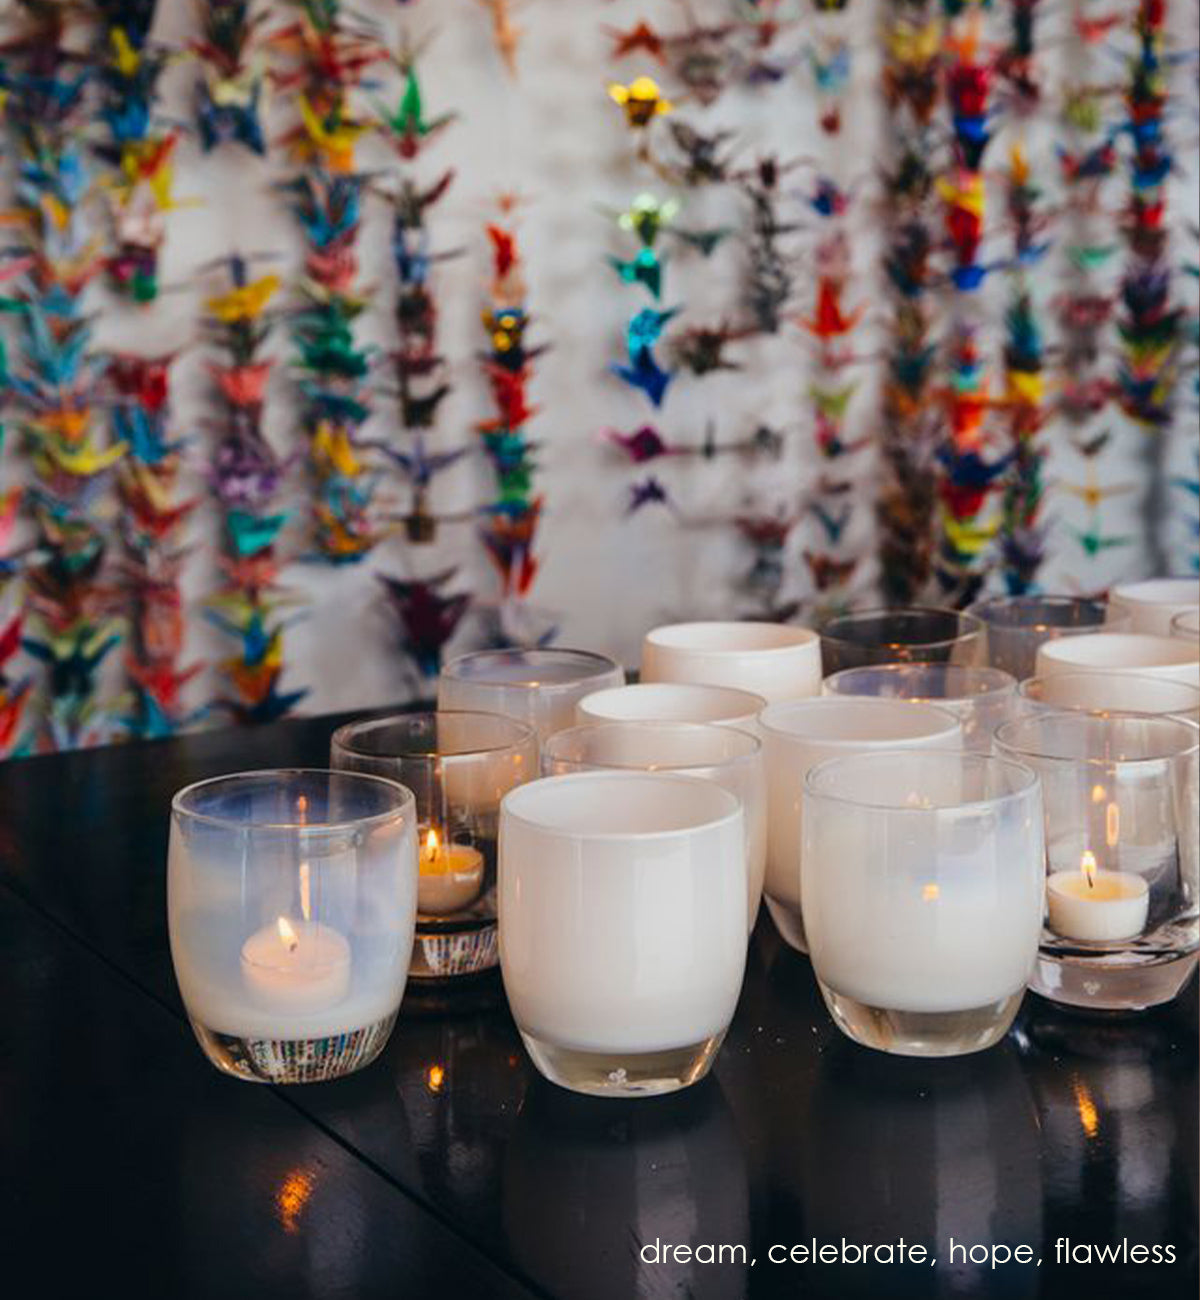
(1109, 693)
(672, 702)
(1122, 652)
(1186, 626)
(1121, 794)
(731, 758)
(1152, 604)
(980, 698)
(918, 634)
(622, 928)
(538, 687)
(459, 765)
(923, 895)
(1018, 625)
(291, 898)
(800, 735)
(773, 660)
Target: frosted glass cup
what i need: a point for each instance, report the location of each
(1121, 793)
(459, 765)
(1152, 604)
(622, 928)
(980, 698)
(1122, 652)
(774, 660)
(1109, 693)
(922, 896)
(291, 900)
(731, 758)
(917, 635)
(1018, 625)
(800, 735)
(672, 702)
(540, 687)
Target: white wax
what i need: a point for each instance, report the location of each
(296, 967)
(450, 879)
(1109, 905)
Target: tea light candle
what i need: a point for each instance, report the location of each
(1089, 904)
(450, 876)
(296, 966)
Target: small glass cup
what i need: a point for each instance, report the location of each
(798, 736)
(622, 928)
(672, 702)
(458, 766)
(1186, 626)
(731, 758)
(1109, 693)
(1121, 793)
(291, 899)
(1122, 652)
(1152, 604)
(1018, 625)
(777, 661)
(922, 896)
(540, 687)
(915, 635)
(980, 698)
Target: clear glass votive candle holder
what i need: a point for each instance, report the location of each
(777, 661)
(1018, 625)
(1122, 652)
(540, 687)
(291, 901)
(1121, 792)
(672, 702)
(922, 896)
(458, 766)
(1150, 605)
(1186, 626)
(980, 698)
(798, 736)
(622, 928)
(917, 635)
(1109, 693)
(731, 758)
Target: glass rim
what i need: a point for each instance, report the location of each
(1171, 683)
(407, 799)
(525, 735)
(634, 689)
(822, 703)
(964, 757)
(980, 609)
(1004, 683)
(1187, 621)
(1135, 591)
(974, 626)
(602, 664)
(796, 635)
(1081, 717)
(1058, 647)
(653, 725)
(532, 789)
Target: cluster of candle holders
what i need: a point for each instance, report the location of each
(941, 808)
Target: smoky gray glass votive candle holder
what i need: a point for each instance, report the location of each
(1018, 625)
(915, 634)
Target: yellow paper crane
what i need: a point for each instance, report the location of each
(245, 301)
(333, 136)
(331, 445)
(641, 99)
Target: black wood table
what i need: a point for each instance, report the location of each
(129, 1166)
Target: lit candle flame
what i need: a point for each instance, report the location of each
(432, 843)
(435, 1078)
(289, 936)
(1087, 864)
(1099, 794)
(930, 892)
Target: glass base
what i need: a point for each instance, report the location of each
(789, 923)
(294, 1060)
(624, 1074)
(922, 1033)
(449, 949)
(1113, 981)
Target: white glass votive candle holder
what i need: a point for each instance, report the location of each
(1122, 652)
(800, 735)
(540, 687)
(291, 900)
(922, 894)
(672, 702)
(980, 698)
(774, 660)
(731, 758)
(1018, 625)
(917, 634)
(459, 765)
(1121, 792)
(622, 928)
(1109, 693)
(1186, 626)
(1152, 604)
